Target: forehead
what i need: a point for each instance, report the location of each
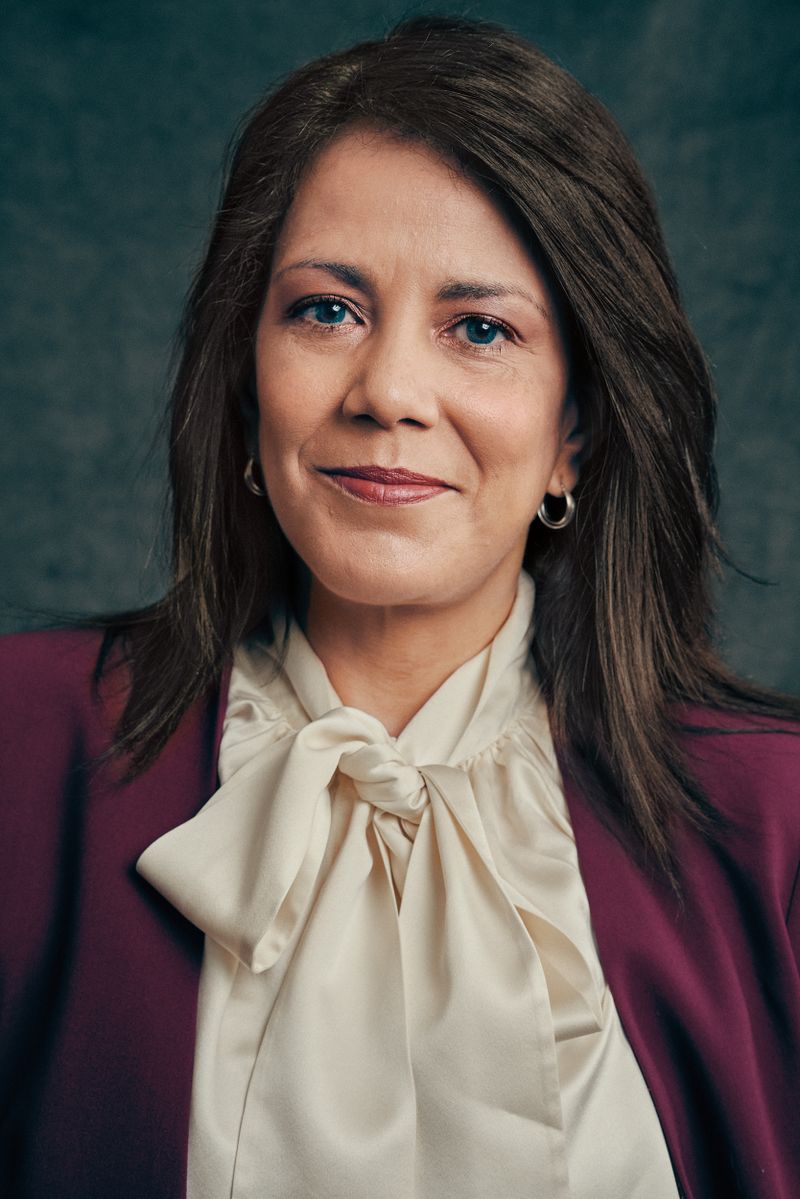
(372, 194)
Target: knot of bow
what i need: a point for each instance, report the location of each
(382, 778)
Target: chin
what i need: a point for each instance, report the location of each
(382, 578)
(426, 580)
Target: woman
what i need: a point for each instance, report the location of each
(347, 869)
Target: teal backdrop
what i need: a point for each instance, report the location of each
(117, 119)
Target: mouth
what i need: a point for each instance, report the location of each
(383, 485)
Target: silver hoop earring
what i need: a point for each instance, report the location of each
(564, 519)
(250, 479)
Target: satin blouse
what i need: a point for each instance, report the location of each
(401, 994)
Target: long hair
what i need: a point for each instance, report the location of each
(623, 617)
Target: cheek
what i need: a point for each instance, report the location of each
(515, 441)
(294, 400)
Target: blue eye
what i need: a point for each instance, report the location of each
(326, 312)
(481, 332)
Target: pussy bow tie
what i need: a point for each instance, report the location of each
(410, 1049)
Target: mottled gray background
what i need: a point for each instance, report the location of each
(117, 119)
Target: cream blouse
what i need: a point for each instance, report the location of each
(401, 997)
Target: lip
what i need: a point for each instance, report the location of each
(390, 486)
(383, 474)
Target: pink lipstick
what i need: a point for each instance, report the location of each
(385, 485)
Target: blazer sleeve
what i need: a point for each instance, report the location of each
(793, 919)
(46, 701)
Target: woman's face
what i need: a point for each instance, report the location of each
(406, 329)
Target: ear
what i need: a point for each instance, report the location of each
(248, 410)
(573, 452)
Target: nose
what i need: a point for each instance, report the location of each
(394, 381)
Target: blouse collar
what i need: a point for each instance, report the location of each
(470, 708)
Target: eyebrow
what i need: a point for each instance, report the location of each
(455, 289)
(458, 290)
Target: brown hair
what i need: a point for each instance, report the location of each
(623, 609)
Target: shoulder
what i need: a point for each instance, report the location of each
(48, 670)
(740, 751)
(749, 769)
(68, 655)
(48, 690)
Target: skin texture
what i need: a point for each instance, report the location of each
(386, 371)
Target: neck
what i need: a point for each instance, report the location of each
(389, 660)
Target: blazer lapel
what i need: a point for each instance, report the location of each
(115, 1100)
(702, 986)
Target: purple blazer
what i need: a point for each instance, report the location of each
(99, 974)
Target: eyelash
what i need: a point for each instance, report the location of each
(297, 310)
